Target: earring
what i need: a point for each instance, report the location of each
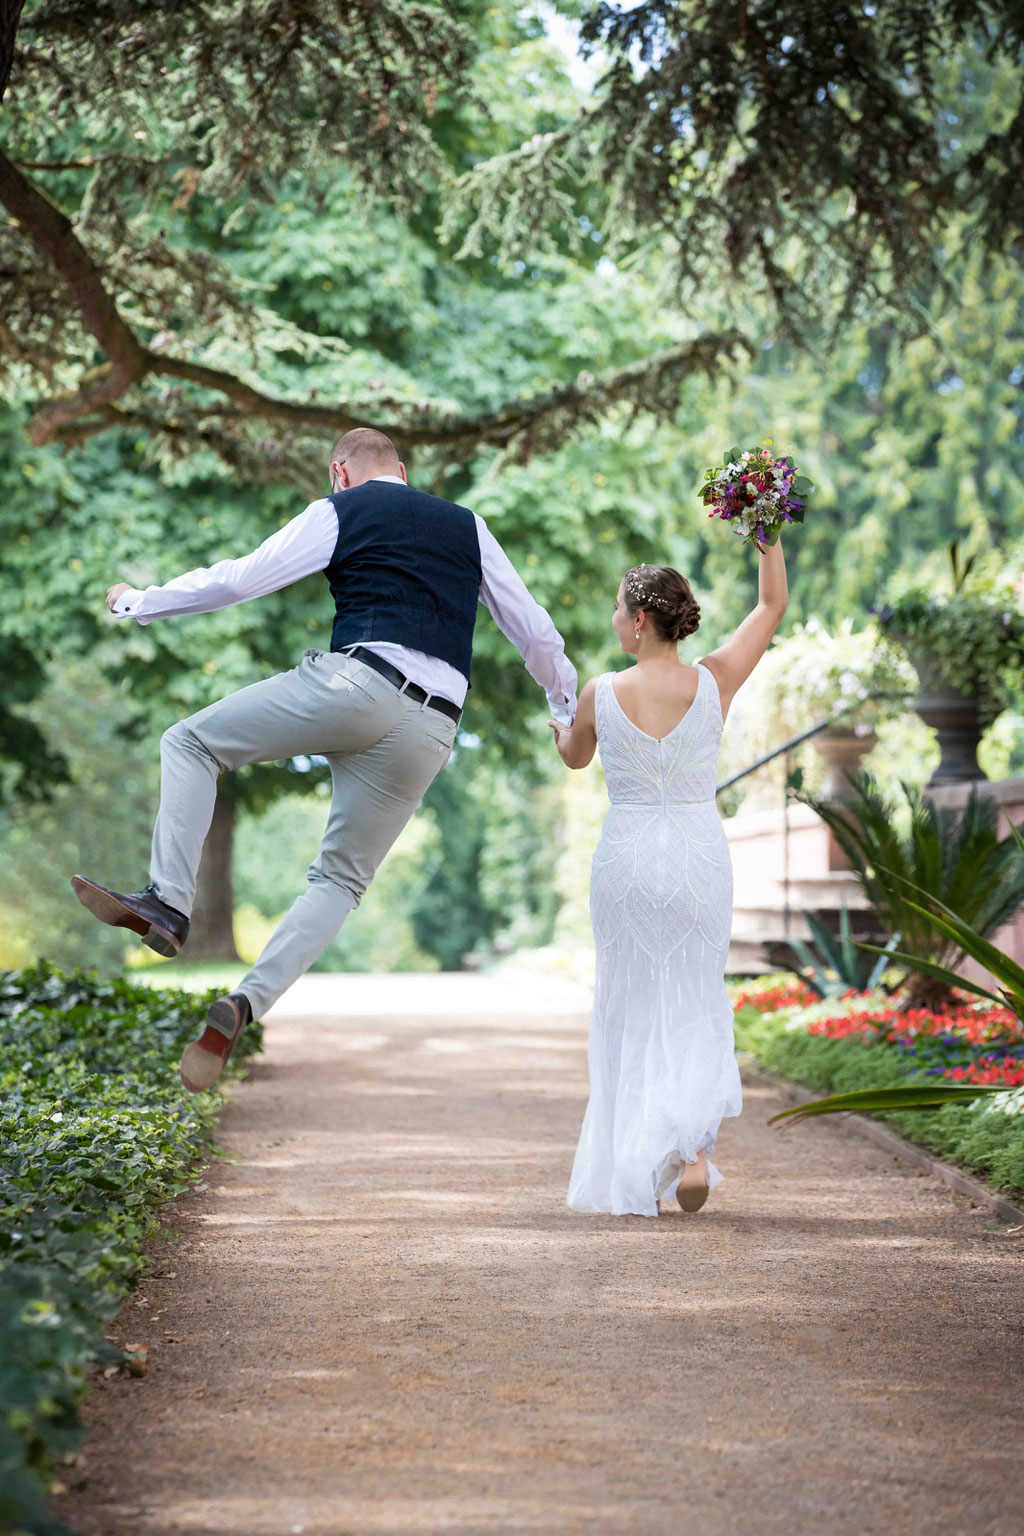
(637, 634)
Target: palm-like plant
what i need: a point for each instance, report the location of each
(957, 857)
(1008, 993)
(832, 963)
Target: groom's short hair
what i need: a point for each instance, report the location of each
(366, 448)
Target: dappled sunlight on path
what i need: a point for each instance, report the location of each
(381, 1317)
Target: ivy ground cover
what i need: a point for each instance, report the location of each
(840, 1045)
(97, 1134)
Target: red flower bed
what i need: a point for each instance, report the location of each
(975, 1025)
(1004, 1070)
(943, 1044)
(968, 1042)
(787, 994)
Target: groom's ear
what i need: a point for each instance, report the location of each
(401, 471)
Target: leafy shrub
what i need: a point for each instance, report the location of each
(98, 1134)
(972, 636)
(814, 672)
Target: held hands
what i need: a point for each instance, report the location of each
(577, 742)
(561, 734)
(117, 591)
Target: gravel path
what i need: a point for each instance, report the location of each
(379, 1318)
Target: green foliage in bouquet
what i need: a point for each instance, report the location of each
(98, 1134)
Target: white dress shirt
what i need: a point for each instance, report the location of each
(306, 544)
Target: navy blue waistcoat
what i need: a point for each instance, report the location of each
(406, 569)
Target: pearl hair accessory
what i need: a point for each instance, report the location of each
(640, 593)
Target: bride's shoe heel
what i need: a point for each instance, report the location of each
(693, 1194)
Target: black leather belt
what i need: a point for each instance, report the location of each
(412, 690)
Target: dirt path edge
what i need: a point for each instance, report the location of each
(891, 1141)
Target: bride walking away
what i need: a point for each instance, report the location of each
(663, 1071)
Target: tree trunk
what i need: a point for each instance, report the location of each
(927, 992)
(10, 15)
(212, 936)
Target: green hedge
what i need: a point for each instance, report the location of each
(979, 1136)
(97, 1134)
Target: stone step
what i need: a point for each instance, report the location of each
(767, 922)
(832, 892)
(746, 959)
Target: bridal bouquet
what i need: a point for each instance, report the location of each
(756, 492)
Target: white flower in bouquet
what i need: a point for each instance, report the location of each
(756, 492)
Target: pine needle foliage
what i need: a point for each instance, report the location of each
(137, 141)
(808, 153)
(802, 163)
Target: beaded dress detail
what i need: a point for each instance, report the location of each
(663, 1071)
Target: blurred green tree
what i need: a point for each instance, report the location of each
(99, 816)
(194, 235)
(485, 877)
(376, 304)
(138, 139)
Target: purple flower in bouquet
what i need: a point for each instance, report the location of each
(755, 492)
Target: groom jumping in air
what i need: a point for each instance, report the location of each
(406, 571)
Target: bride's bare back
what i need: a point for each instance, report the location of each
(656, 693)
(656, 696)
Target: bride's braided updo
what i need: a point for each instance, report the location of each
(665, 595)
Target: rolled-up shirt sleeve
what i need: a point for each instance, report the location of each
(529, 626)
(300, 548)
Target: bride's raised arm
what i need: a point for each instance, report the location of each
(734, 661)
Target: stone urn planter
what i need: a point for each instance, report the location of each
(954, 716)
(842, 750)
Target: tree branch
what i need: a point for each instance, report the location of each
(647, 383)
(51, 232)
(89, 162)
(235, 452)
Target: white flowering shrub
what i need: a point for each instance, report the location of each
(816, 673)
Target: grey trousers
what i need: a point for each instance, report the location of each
(384, 750)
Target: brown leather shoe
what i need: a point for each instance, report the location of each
(202, 1060)
(158, 925)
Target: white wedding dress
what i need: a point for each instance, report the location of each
(662, 1060)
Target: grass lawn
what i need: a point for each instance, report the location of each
(220, 974)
